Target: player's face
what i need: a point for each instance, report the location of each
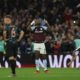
(7, 21)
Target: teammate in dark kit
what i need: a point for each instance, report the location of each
(13, 35)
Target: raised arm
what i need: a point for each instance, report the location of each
(47, 24)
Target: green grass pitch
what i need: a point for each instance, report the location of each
(29, 74)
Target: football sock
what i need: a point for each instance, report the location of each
(45, 64)
(37, 64)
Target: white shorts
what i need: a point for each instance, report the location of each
(39, 47)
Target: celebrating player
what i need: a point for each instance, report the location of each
(38, 35)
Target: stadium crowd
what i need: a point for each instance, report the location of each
(62, 15)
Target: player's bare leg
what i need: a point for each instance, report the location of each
(73, 58)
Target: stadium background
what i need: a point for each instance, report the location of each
(62, 15)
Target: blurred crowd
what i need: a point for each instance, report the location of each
(62, 15)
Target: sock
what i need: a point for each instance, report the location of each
(18, 64)
(6, 64)
(37, 64)
(41, 63)
(13, 66)
(45, 64)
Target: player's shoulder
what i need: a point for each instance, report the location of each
(44, 27)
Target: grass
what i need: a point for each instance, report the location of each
(28, 74)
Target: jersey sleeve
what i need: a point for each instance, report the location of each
(44, 27)
(33, 27)
(32, 23)
(21, 29)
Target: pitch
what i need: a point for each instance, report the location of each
(29, 74)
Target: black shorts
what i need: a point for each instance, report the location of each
(11, 49)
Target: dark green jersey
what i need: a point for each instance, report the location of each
(13, 33)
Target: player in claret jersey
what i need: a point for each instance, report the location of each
(39, 35)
